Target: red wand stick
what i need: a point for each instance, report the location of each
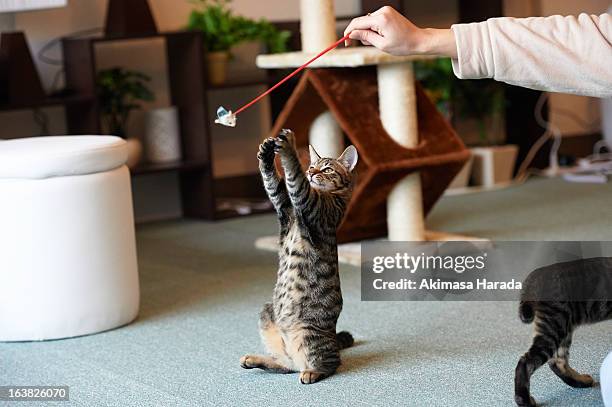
(229, 119)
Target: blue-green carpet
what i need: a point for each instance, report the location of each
(203, 285)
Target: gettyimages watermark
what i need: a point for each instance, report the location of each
(486, 271)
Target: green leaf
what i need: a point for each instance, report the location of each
(222, 29)
(118, 91)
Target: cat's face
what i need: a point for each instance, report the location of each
(331, 174)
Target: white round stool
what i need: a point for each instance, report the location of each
(605, 377)
(68, 262)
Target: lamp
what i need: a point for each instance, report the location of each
(19, 80)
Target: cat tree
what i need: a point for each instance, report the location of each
(373, 99)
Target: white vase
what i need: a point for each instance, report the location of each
(162, 135)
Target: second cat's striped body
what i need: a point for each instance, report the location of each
(556, 320)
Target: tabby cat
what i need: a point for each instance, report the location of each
(555, 321)
(298, 328)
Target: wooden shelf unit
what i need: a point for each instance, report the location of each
(200, 190)
(47, 102)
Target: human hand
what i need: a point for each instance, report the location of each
(391, 32)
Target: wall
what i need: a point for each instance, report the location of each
(41, 26)
(575, 115)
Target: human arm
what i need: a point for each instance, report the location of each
(558, 54)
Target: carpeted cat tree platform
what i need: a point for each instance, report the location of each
(352, 97)
(408, 153)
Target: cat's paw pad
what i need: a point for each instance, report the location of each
(310, 377)
(266, 149)
(285, 140)
(247, 362)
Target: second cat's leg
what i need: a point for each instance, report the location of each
(560, 365)
(545, 344)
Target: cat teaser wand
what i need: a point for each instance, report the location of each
(227, 118)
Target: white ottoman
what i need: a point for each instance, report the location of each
(67, 245)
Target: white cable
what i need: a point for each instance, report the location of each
(553, 131)
(55, 41)
(553, 168)
(600, 145)
(521, 174)
(41, 55)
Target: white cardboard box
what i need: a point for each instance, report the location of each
(493, 165)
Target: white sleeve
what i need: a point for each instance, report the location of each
(557, 54)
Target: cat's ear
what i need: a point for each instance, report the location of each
(314, 156)
(349, 158)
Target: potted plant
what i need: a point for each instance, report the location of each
(439, 83)
(222, 30)
(475, 108)
(480, 114)
(437, 78)
(119, 91)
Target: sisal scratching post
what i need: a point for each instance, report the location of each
(317, 24)
(318, 27)
(397, 100)
(326, 136)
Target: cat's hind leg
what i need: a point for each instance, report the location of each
(314, 353)
(267, 363)
(277, 362)
(559, 364)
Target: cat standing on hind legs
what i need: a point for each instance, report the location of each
(298, 328)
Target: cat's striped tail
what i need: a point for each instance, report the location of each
(526, 312)
(345, 340)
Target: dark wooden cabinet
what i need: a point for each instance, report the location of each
(201, 192)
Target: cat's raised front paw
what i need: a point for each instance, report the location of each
(266, 150)
(285, 141)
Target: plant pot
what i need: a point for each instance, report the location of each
(462, 179)
(493, 165)
(134, 147)
(216, 64)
